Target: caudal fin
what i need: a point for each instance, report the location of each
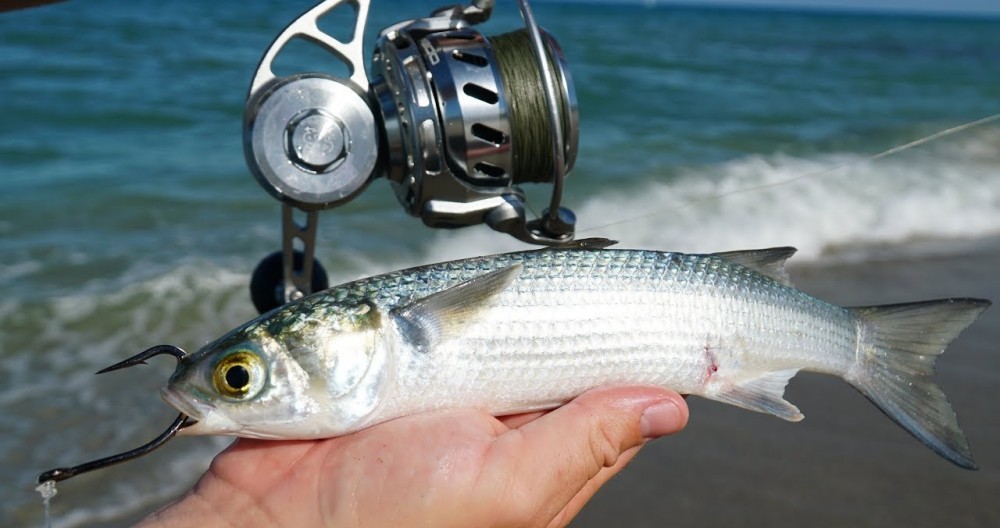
(898, 346)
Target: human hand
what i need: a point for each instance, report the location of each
(440, 469)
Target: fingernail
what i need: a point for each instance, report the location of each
(661, 419)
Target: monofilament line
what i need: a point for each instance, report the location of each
(48, 490)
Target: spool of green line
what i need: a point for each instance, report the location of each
(531, 134)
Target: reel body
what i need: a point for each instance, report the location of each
(455, 120)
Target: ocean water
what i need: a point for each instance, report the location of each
(128, 217)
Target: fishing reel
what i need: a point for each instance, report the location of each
(455, 120)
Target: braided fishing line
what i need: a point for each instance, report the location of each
(531, 134)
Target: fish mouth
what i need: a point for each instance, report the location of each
(194, 409)
(203, 418)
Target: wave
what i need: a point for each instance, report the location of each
(823, 205)
(50, 399)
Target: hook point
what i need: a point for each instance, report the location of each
(141, 357)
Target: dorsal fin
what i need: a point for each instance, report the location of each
(769, 262)
(585, 243)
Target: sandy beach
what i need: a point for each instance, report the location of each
(846, 464)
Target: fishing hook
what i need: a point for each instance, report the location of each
(179, 423)
(141, 357)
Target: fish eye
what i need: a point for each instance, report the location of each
(237, 373)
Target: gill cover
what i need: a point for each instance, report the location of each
(314, 368)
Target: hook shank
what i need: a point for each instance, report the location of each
(59, 474)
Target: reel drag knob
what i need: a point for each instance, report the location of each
(311, 141)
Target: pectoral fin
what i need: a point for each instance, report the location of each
(762, 394)
(436, 317)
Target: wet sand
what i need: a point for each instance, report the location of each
(846, 464)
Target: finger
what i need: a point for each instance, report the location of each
(243, 480)
(557, 454)
(589, 489)
(246, 460)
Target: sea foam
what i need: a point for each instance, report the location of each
(819, 205)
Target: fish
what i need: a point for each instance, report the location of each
(530, 330)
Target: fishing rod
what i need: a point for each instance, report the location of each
(455, 120)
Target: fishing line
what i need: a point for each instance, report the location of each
(531, 133)
(875, 157)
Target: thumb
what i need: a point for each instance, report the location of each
(547, 462)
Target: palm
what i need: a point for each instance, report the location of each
(450, 468)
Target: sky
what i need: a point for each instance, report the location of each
(987, 7)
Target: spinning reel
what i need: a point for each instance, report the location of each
(455, 120)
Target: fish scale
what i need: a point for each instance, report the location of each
(531, 330)
(619, 308)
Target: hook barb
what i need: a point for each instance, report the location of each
(141, 357)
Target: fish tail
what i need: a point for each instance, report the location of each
(897, 347)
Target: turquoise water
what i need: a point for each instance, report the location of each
(128, 217)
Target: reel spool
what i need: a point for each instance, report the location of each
(455, 120)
